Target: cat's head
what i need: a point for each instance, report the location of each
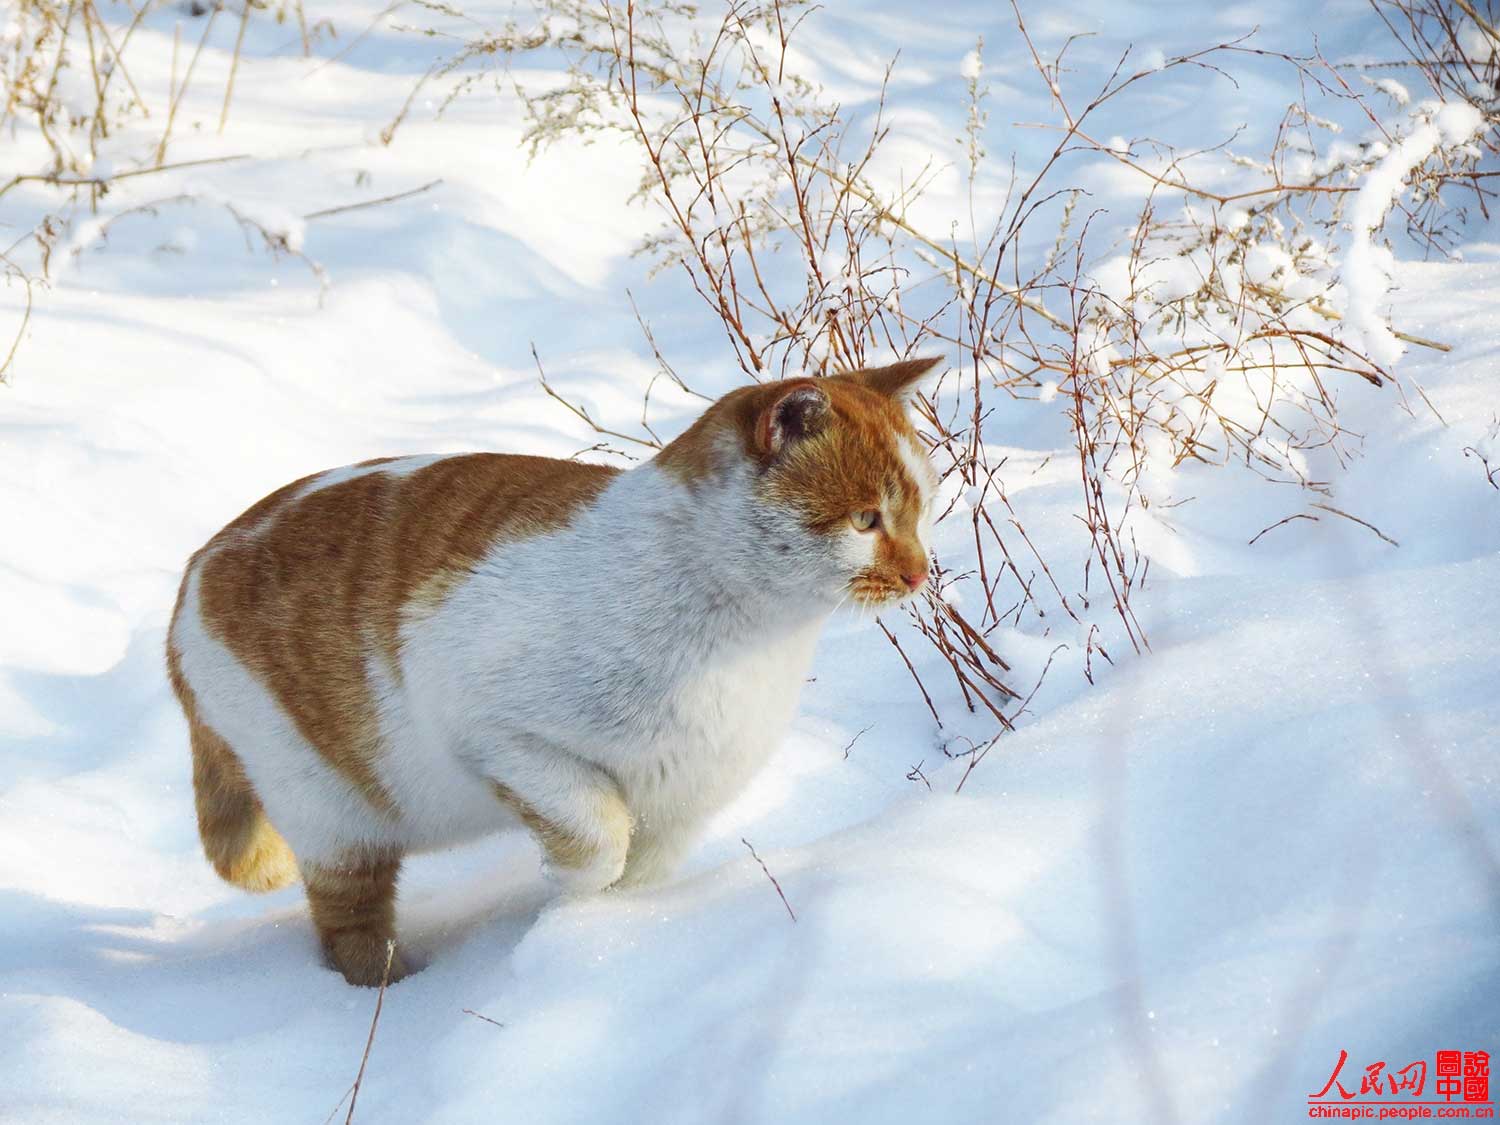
(840, 484)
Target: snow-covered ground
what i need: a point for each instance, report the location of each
(1176, 895)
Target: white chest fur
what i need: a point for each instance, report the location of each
(660, 636)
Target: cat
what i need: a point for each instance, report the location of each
(409, 653)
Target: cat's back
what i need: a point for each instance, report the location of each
(334, 560)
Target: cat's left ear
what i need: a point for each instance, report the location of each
(900, 381)
(794, 410)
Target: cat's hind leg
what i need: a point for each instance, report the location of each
(353, 904)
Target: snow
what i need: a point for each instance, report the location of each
(1152, 58)
(1392, 89)
(1367, 267)
(1174, 894)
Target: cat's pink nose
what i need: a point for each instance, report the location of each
(915, 580)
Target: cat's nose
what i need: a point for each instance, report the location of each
(915, 579)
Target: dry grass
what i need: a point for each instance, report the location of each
(351, 1095)
(1213, 336)
(65, 78)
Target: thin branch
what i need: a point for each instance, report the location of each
(480, 1016)
(234, 65)
(104, 183)
(1484, 24)
(850, 744)
(790, 912)
(161, 148)
(1356, 519)
(580, 412)
(323, 214)
(1278, 523)
(385, 980)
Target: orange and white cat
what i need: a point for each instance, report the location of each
(409, 653)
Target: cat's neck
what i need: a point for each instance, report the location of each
(717, 545)
(703, 556)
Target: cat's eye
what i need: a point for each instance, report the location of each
(865, 521)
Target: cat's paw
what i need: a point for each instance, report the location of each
(645, 867)
(656, 850)
(366, 958)
(582, 863)
(593, 877)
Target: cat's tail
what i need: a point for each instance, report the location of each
(243, 846)
(240, 842)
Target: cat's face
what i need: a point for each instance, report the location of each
(842, 484)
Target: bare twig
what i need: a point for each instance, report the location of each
(790, 912)
(582, 413)
(1484, 24)
(1278, 523)
(481, 1016)
(234, 64)
(1356, 519)
(187, 78)
(20, 332)
(890, 636)
(327, 211)
(385, 980)
(1490, 474)
(104, 183)
(850, 744)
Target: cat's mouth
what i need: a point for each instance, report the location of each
(874, 592)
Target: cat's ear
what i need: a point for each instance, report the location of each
(899, 381)
(792, 411)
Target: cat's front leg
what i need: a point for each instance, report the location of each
(574, 809)
(656, 849)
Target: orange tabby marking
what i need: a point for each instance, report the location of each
(282, 588)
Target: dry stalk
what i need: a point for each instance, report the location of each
(353, 1092)
(61, 36)
(234, 64)
(345, 207)
(1208, 337)
(779, 892)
